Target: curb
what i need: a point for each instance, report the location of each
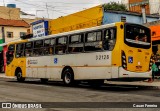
(4, 76)
(139, 83)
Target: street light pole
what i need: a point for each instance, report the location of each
(144, 13)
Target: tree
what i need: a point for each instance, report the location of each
(115, 6)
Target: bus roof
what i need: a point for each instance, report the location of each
(73, 32)
(19, 40)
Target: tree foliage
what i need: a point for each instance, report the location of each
(115, 6)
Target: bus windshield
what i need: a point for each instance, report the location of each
(137, 36)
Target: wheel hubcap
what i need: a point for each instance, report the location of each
(68, 77)
(19, 75)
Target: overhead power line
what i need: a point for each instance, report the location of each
(53, 9)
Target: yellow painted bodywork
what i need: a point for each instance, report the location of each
(83, 19)
(17, 62)
(141, 57)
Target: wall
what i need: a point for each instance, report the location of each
(16, 32)
(138, 7)
(125, 2)
(154, 6)
(110, 17)
(9, 13)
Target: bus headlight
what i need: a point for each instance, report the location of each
(124, 63)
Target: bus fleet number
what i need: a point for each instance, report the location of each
(102, 57)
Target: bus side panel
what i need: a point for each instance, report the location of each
(93, 65)
(43, 67)
(21, 63)
(86, 73)
(114, 72)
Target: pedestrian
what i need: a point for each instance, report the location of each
(154, 70)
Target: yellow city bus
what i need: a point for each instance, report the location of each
(117, 51)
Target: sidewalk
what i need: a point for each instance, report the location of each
(2, 75)
(155, 83)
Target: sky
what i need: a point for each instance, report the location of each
(53, 8)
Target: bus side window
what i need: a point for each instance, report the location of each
(28, 49)
(52, 46)
(109, 39)
(46, 48)
(19, 50)
(61, 45)
(75, 43)
(38, 45)
(93, 41)
(10, 53)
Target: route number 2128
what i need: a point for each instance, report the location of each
(102, 57)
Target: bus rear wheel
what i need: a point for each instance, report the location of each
(19, 76)
(68, 77)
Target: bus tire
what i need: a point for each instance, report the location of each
(19, 76)
(68, 77)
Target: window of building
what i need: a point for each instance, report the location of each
(10, 34)
(22, 34)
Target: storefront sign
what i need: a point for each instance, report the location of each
(40, 28)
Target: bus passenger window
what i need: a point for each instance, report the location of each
(19, 50)
(10, 53)
(76, 43)
(93, 41)
(109, 39)
(61, 46)
(38, 45)
(46, 48)
(28, 49)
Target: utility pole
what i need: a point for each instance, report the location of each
(47, 10)
(3, 34)
(3, 3)
(144, 13)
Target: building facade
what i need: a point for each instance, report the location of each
(10, 13)
(12, 29)
(111, 16)
(151, 6)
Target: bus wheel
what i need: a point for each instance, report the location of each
(19, 76)
(43, 80)
(68, 77)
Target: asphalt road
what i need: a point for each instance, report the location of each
(35, 91)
